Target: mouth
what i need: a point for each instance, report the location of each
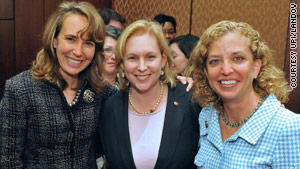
(228, 82)
(111, 63)
(142, 77)
(73, 61)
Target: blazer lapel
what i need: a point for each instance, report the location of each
(122, 131)
(171, 130)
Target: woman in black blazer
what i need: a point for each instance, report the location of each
(152, 122)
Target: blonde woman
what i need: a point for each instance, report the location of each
(152, 121)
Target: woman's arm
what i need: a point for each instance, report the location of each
(186, 80)
(12, 127)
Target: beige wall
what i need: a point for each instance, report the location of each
(133, 10)
(269, 17)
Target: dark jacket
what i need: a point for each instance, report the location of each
(180, 137)
(40, 130)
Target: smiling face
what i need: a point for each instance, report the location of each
(142, 62)
(180, 62)
(230, 68)
(109, 63)
(73, 53)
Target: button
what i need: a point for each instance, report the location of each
(176, 103)
(206, 124)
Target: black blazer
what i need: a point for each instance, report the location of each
(179, 142)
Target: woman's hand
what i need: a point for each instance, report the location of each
(185, 80)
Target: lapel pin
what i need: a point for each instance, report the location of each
(176, 103)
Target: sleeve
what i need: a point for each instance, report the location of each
(196, 108)
(12, 126)
(287, 151)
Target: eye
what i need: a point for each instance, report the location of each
(238, 58)
(71, 39)
(131, 57)
(89, 43)
(213, 62)
(151, 56)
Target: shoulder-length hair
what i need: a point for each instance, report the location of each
(46, 65)
(142, 27)
(270, 80)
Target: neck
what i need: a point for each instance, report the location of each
(239, 110)
(145, 101)
(109, 78)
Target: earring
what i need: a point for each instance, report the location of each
(122, 74)
(162, 72)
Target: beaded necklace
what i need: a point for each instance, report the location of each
(75, 100)
(154, 107)
(246, 119)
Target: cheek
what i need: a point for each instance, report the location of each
(211, 74)
(89, 53)
(128, 67)
(64, 46)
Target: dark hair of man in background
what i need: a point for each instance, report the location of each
(162, 19)
(108, 14)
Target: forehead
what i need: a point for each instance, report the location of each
(115, 23)
(168, 26)
(231, 40)
(74, 24)
(110, 41)
(142, 43)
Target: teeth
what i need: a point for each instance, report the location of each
(74, 61)
(142, 77)
(228, 82)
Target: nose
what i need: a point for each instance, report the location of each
(113, 56)
(226, 68)
(142, 65)
(77, 51)
(168, 36)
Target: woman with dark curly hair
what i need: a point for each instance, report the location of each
(243, 124)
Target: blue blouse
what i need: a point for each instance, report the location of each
(270, 139)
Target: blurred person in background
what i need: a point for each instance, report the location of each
(109, 70)
(182, 47)
(169, 25)
(111, 17)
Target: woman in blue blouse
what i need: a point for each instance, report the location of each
(243, 124)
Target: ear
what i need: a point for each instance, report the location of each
(55, 43)
(257, 65)
(164, 60)
(122, 66)
(205, 71)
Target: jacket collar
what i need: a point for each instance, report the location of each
(170, 135)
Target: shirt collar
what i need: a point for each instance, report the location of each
(259, 122)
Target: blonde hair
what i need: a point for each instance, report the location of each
(270, 80)
(46, 65)
(142, 27)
